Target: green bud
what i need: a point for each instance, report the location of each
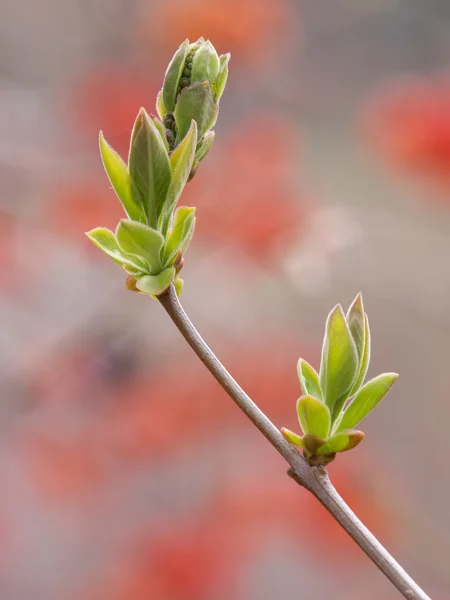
(205, 64)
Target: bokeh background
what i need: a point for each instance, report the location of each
(125, 471)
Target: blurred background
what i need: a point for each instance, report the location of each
(125, 471)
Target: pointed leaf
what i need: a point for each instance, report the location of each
(356, 322)
(195, 102)
(181, 161)
(368, 397)
(309, 379)
(149, 166)
(105, 240)
(160, 108)
(292, 437)
(342, 441)
(314, 416)
(140, 240)
(173, 76)
(120, 179)
(339, 362)
(365, 359)
(156, 284)
(205, 146)
(181, 234)
(219, 85)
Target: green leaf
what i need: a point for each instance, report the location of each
(314, 416)
(365, 359)
(105, 240)
(156, 284)
(292, 437)
(121, 181)
(356, 323)
(149, 166)
(162, 132)
(205, 146)
(143, 241)
(173, 76)
(195, 102)
(160, 108)
(206, 63)
(181, 234)
(181, 161)
(219, 85)
(309, 379)
(342, 441)
(339, 362)
(368, 397)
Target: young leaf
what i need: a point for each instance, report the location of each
(162, 131)
(206, 63)
(291, 437)
(314, 416)
(356, 322)
(309, 379)
(365, 359)
(368, 397)
(219, 85)
(173, 76)
(195, 102)
(149, 166)
(156, 284)
(339, 362)
(205, 146)
(342, 441)
(181, 234)
(105, 240)
(181, 161)
(121, 181)
(140, 240)
(160, 108)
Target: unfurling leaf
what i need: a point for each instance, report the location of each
(314, 416)
(149, 166)
(181, 161)
(156, 284)
(173, 76)
(121, 181)
(309, 379)
(292, 437)
(219, 85)
(365, 359)
(205, 146)
(181, 234)
(356, 323)
(105, 240)
(339, 362)
(342, 442)
(368, 397)
(205, 64)
(142, 241)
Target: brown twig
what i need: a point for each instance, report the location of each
(314, 479)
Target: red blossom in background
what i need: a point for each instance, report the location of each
(245, 195)
(409, 122)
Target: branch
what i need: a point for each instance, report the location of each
(314, 479)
